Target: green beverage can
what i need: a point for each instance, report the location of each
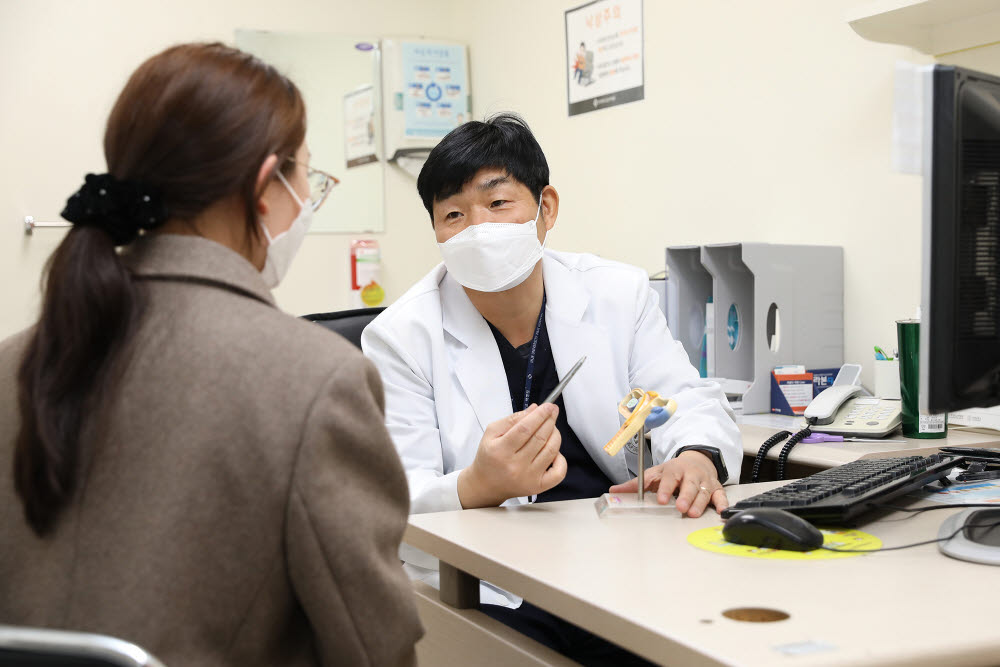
(915, 425)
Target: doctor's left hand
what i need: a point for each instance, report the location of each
(691, 475)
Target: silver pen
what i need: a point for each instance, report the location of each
(562, 383)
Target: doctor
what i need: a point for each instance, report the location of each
(468, 352)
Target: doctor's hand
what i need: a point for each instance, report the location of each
(518, 456)
(691, 475)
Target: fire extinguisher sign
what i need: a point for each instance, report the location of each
(366, 274)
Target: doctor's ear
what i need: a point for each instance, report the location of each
(550, 206)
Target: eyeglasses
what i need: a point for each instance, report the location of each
(320, 184)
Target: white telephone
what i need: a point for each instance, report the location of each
(842, 409)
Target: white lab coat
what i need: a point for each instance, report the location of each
(444, 380)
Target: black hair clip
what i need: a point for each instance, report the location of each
(120, 208)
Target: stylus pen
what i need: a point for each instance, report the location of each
(562, 383)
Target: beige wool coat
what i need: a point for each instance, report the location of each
(240, 503)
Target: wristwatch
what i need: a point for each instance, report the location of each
(712, 453)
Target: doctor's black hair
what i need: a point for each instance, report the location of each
(503, 141)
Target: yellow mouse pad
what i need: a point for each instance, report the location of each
(710, 539)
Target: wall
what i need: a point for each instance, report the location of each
(65, 61)
(763, 121)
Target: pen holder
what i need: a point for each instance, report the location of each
(887, 378)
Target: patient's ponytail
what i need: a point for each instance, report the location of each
(90, 306)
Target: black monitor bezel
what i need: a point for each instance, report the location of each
(940, 389)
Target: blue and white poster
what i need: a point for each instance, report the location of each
(435, 99)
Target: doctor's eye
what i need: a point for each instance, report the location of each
(498, 202)
(452, 215)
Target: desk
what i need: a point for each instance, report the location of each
(912, 607)
(822, 455)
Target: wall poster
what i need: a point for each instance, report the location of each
(604, 55)
(436, 94)
(359, 126)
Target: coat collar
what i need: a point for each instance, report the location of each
(592, 392)
(478, 366)
(195, 259)
(591, 396)
(566, 296)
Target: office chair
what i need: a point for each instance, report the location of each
(348, 323)
(43, 647)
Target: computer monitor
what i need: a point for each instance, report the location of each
(960, 303)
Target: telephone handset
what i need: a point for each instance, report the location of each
(824, 407)
(842, 410)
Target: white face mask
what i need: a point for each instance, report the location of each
(281, 249)
(493, 256)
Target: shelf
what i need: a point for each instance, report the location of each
(935, 27)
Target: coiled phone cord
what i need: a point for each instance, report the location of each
(764, 449)
(787, 449)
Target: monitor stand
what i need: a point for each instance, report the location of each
(979, 539)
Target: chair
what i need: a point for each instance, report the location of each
(348, 323)
(43, 647)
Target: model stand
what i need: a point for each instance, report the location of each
(637, 405)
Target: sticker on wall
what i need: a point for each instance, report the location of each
(604, 55)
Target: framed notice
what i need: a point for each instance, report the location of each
(359, 126)
(604, 55)
(436, 94)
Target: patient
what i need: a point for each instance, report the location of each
(185, 466)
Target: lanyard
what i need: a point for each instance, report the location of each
(531, 356)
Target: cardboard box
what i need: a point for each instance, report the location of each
(791, 393)
(823, 379)
(783, 385)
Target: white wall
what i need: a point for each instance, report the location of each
(63, 63)
(763, 121)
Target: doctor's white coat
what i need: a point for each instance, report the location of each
(444, 380)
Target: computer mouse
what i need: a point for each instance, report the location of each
(772, 528)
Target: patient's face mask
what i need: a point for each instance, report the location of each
(494, 256)
(281, 249)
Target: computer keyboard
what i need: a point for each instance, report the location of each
(838, 494)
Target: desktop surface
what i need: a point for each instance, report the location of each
(637, 581)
